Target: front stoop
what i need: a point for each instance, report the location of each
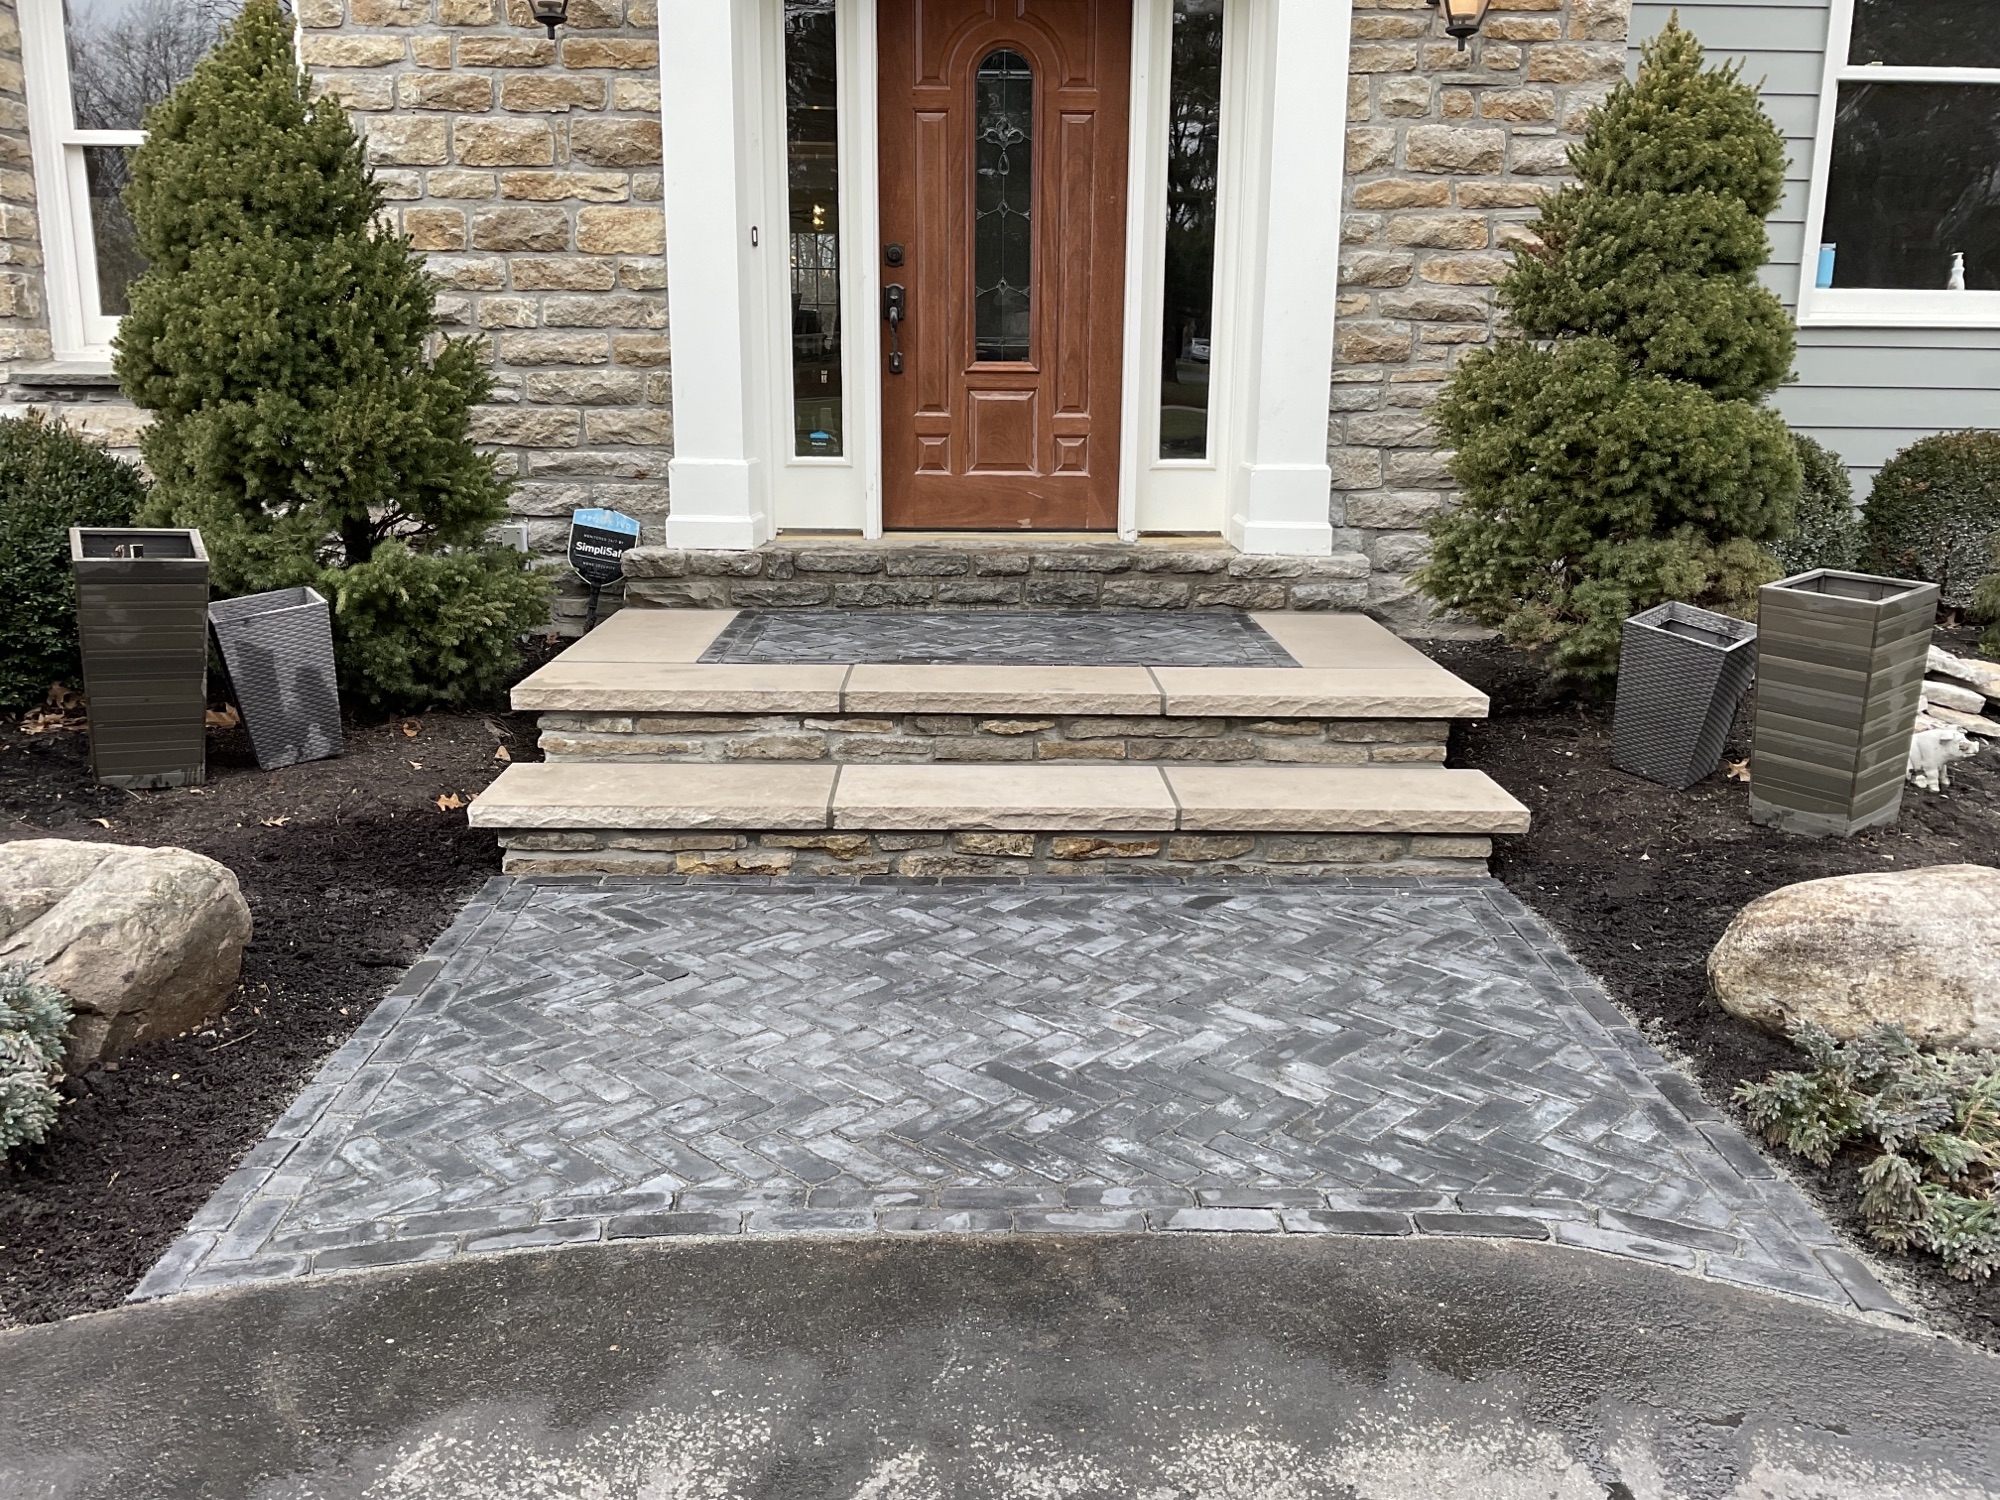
(661, 763)
(988, 572)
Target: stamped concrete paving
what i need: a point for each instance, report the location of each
(591, 1059)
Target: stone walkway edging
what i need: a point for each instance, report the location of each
(222, 1244)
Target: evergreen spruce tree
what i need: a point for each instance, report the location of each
(309, 419)
(1615, 454)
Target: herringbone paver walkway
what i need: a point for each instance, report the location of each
(1044, 637)
(583, 1059)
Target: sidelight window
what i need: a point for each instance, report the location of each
(1194, 162)
(1909, 152)
(1003, 206)
(812, 170)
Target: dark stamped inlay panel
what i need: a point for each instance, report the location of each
(1019, 638)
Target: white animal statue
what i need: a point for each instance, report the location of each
(1931, 753)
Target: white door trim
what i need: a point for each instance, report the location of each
(1266, 484)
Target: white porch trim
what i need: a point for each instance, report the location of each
(711, 124)
(1266, 485)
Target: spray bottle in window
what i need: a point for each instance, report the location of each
(1956, 282)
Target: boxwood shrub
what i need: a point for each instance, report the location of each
(1825, 531)
(1933, 512)
(50, 480)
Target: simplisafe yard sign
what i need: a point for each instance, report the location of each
(597, 540)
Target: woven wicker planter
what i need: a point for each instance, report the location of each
(142, 619)
(1840, 669)
(279, 651)
(1682, 672)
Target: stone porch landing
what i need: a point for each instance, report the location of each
(662, 758)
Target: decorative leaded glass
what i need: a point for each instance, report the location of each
(1003, 127)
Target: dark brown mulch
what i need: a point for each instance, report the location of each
(1641, 880)
(350, 868)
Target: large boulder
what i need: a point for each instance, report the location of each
(1919, 948)
(147, 943)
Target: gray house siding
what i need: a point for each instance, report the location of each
(1864, 392)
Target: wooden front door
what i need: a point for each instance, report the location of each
(1003, 128)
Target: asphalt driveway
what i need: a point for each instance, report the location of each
(1055, 1367)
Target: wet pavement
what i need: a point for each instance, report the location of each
(1043, 1367)
(596, 1059)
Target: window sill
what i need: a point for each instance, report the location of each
(64, 373)
(1899, 309)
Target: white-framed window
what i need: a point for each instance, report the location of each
(1903, 224)
(93, 68)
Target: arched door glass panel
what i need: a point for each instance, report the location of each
(1003, 132)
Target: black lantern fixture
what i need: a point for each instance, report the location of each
(552, 13)
(1462, 18)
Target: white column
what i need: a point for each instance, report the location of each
(711, 123)
(1283, 495)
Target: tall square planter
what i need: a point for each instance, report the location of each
(1839, 672)
(1682, 673)
(142, 620)
(278, 648)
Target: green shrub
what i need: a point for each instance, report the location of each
(1933, 511)
(50, 480)
(309, 419)
(1825, 533)
(34, 1014)
(1986, 604)
(1615, 455)
(1932, 1120)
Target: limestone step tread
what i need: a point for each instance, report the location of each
(1005, 797)
(648, 661)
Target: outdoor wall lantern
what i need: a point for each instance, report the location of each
(1462, 18)
(552, 13)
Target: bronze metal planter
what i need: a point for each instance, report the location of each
(1840, 669)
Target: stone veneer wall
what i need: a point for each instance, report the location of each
(529, 172)
(1448, 154)
(24, 320)
(954, 856)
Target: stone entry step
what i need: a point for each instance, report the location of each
(1287, 799)
(571, 817)
(650, 662)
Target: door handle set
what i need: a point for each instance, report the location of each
(895, 307)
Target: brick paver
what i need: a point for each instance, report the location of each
(1059, 637)
(589, 1059)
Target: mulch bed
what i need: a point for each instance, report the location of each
(1640, 881)
(351, 869)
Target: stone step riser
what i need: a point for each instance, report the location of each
(946, 855)
(919, 738)
(992, 575)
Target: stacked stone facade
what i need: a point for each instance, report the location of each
(528, 172)
(1448, 154)
(24, 321)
